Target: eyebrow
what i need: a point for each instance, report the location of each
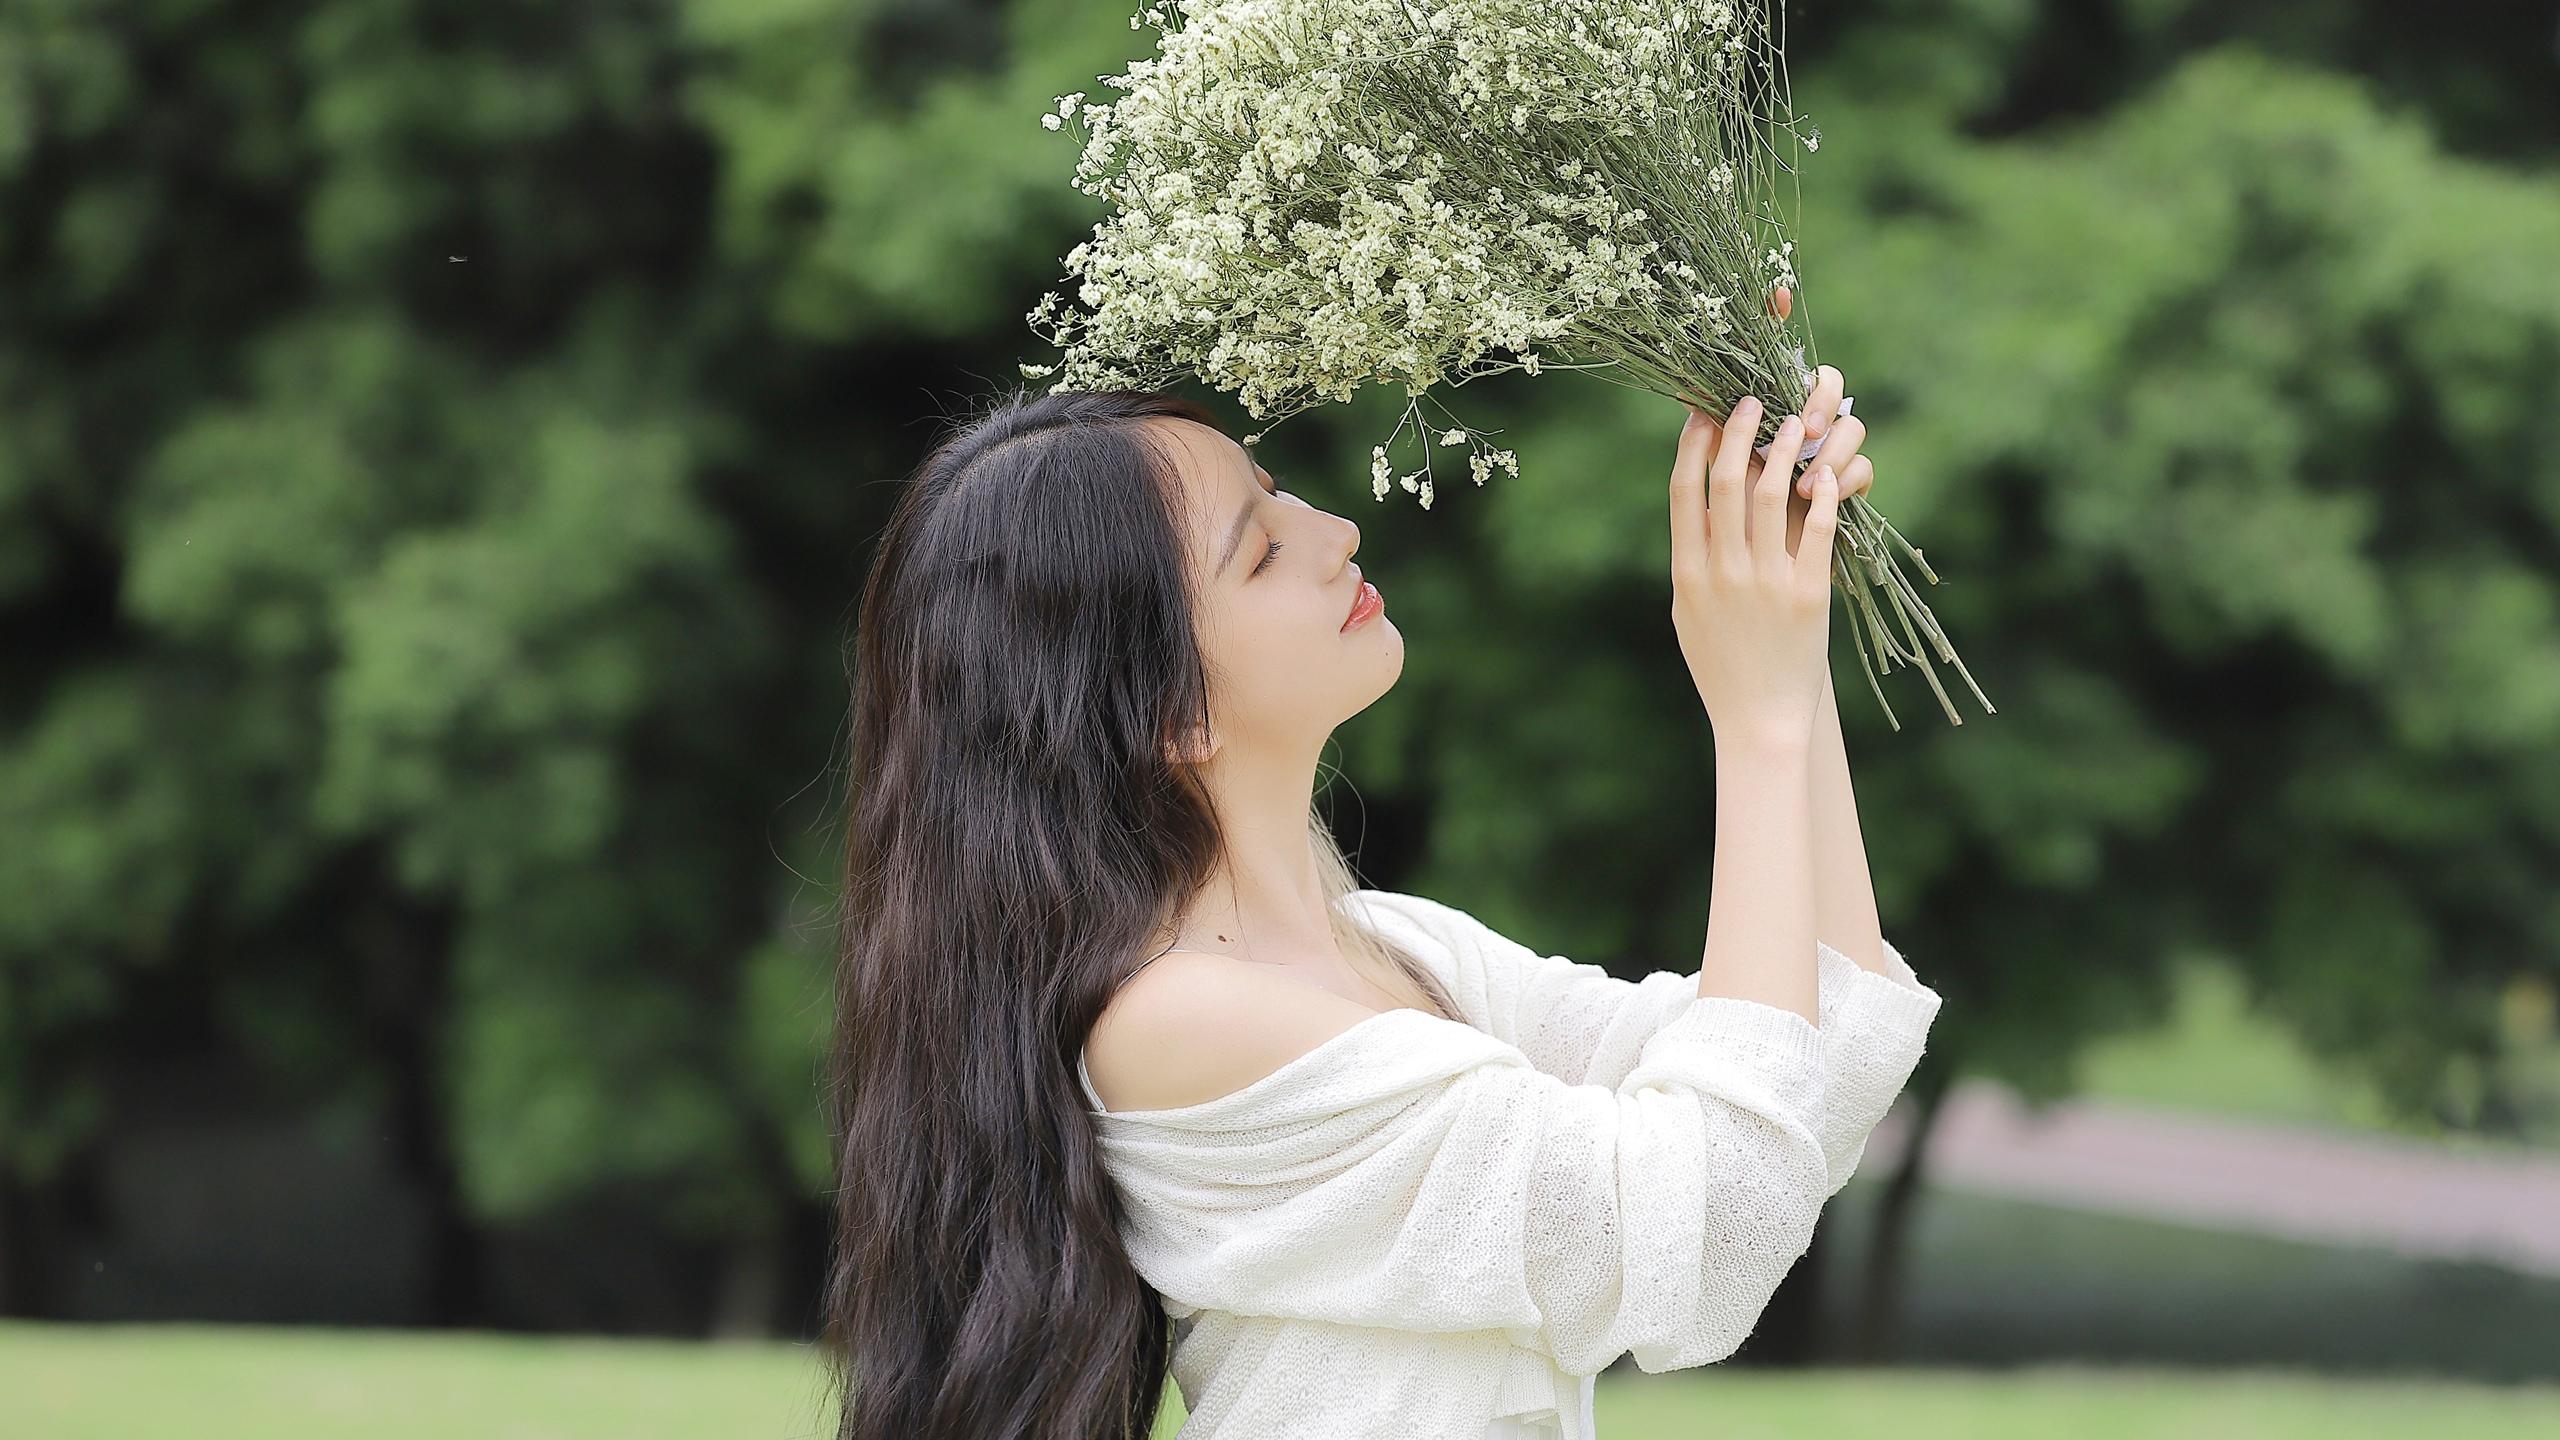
(1235, 532)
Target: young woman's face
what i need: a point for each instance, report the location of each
(1275, 590)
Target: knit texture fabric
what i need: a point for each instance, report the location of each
(1419, 1226)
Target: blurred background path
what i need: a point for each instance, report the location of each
(2410, 1196)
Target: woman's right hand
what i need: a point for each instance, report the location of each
(1754, 621)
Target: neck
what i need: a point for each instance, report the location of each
(1267, 897)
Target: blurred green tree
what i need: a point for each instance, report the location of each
(388, 680)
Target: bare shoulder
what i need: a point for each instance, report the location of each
(1194, 1026)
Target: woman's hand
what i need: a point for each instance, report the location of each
(1753, 618)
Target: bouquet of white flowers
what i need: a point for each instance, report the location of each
(1307, 196)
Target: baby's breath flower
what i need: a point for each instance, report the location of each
(1307, 197)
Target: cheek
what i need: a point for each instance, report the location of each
(1286, 621)
(1291, 619)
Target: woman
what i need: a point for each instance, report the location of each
(1131, 1079)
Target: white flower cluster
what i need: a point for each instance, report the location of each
(1782, 270)
(1309, 196)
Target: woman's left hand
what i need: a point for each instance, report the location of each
(1841, 435)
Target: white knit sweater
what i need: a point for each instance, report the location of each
(1420, 1226)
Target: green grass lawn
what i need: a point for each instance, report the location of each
(222, 1382)
(113, 1382)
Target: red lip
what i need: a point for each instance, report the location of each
(1365, 602)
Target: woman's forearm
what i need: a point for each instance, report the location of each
(1760, 916)
(1844, 894)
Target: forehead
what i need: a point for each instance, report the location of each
(1212, 464)
(1216, 475)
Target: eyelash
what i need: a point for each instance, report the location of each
(1272, 550)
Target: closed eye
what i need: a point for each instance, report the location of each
(1268, 552)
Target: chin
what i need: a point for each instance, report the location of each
(1386, 655)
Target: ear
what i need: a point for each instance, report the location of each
(1195, 746)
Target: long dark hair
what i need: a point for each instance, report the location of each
(1015, 835)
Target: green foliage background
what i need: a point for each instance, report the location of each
(438, 447)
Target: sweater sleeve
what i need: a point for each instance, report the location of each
(1874, 1030)
(1578, 1021)
(1417, 1174)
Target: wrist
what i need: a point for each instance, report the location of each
(1764, 747)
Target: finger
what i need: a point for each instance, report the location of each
(1847, 434)
(1715, 427)
(1821, 523)
(1715, 443)
(1823, 406)
(1769, 498)
(1726, 477)
(1715, 446)
(1781, 301)
(1858, 478)
(1689, 494)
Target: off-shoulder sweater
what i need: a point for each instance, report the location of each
(1420, 1226)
